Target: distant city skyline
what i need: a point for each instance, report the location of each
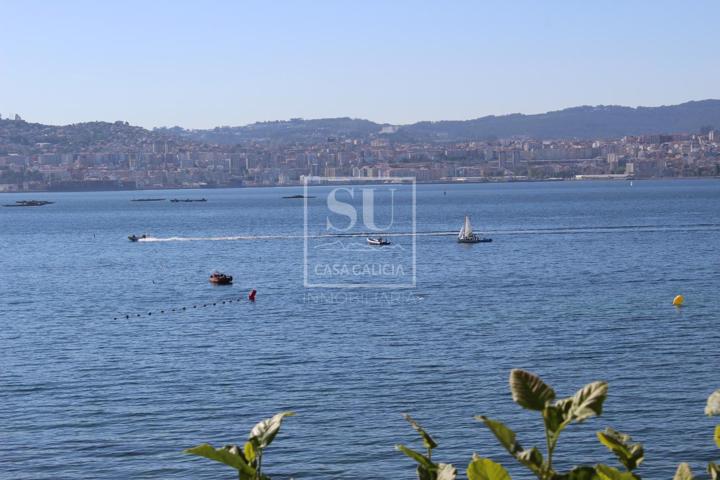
(234, 63)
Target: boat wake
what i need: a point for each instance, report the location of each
(218, 239)
(150, 239)
(605, 229)
(529, 231)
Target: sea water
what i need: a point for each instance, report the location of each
(104, 375)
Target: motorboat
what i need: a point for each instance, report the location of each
(135, 238)
(379, 241)
(466, 234)
(220, 278)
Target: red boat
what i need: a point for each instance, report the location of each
(220, 278)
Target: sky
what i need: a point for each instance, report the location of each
(209, 63)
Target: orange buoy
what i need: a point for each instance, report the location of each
(678, 301)
(251, 297)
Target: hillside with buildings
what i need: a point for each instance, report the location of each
(682, 140)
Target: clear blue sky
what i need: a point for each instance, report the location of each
(207, 63)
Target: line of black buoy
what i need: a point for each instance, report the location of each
(251, 298)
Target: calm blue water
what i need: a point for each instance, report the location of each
(576, 286)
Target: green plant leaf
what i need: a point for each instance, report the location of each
(588, 401)
(713, 404)
(717, 436)
(606, 472)
(530, 458)
(529, 391)
(229, 455)
(264, 432)
(584, 404)
(555, 421)
(485, 469)
(630, 455)
(637, 455)
(250, 452)
(565, 406)
(714, 471)
(424, 474)
(428, 441)
(505, 436)
(445, 471)
(581, 473)
(421, 459)
(683, 472)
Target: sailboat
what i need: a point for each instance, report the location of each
(466, 234)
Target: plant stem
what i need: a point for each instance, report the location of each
(549, 451)
(258, 472)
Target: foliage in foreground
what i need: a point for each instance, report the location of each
(528, 391)
(531, 393)
(248, 459)
(711, 409)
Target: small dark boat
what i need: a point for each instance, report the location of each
(135, 238)
(379, 241)
(188, 200)
(29, 203)
(299, 196)
(147, 199)
(220, 278)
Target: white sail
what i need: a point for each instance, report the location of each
(466, 230)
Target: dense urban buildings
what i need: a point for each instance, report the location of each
(106, 156)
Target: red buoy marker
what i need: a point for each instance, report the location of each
(251, 297)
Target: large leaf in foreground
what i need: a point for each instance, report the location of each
(446, 471)
(428, 441)
(485, 469)
(588, 401)
(530, 458)
(556, 418)
(582, 473)
(609, 473)
(529, 391)
(264, 432)
(713, 404)
(421, 459)
(250, 452)
(629, 454)
(230, 456)
(505, 436)
(714, 470)
(424, 474)
(683, 472)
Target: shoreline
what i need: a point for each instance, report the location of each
(301, 185)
